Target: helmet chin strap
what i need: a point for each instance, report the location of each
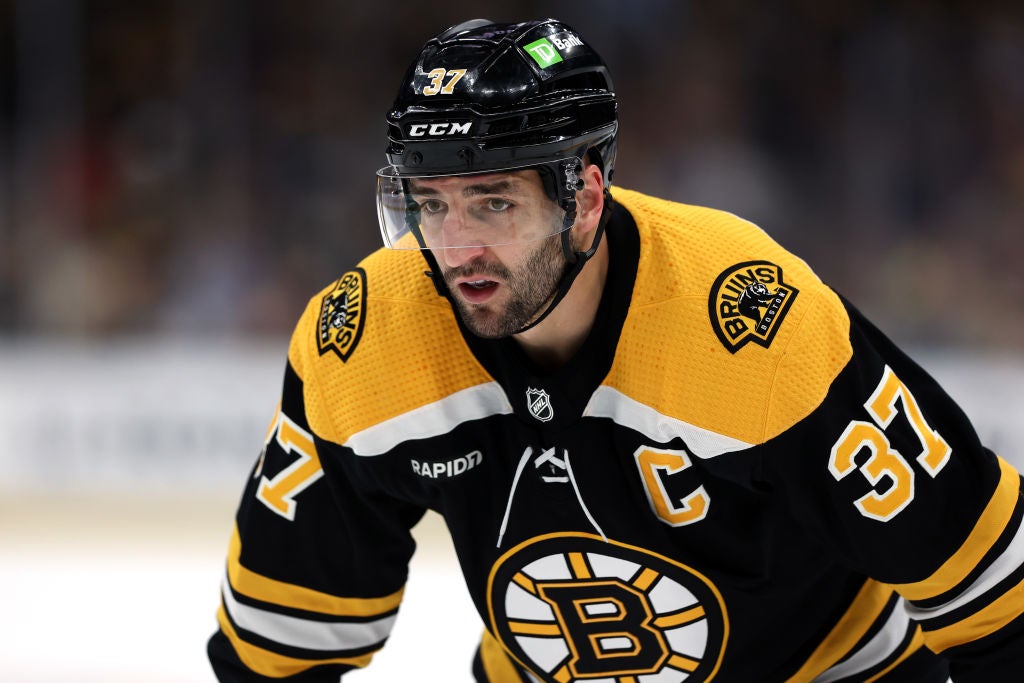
(575, 260)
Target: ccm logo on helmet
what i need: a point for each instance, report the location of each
(439, 129)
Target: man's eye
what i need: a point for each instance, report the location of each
(431, 206)
(498, 204)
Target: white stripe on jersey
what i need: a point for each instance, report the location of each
(882, 645)
(623, 410)
(306, 633)
(433, 419)
(1008, 562)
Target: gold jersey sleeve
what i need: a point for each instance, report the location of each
(677, 331)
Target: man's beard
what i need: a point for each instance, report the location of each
(529, 288)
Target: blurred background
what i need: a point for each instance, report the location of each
(177, 177)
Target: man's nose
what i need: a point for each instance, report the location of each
(454, 257)
(460, 241)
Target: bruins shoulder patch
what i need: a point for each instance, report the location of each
(342, 314)
(748, 303)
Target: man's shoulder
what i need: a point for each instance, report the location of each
(386, 294)
(400, 275)
(721, 308)
(712, 255)
(691, 236)
(376, 343)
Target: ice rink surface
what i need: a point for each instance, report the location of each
(124, 590)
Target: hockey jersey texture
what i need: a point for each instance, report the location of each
(737, 478)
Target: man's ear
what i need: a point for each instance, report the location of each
(589, 200)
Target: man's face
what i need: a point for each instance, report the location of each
(495, 238)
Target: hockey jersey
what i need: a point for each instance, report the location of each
(736, 478)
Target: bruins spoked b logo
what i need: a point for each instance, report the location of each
(342, 313)
(748, 303)
(573, 608)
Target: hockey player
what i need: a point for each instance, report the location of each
(664, 449)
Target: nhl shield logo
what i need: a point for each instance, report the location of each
(748, 303)
(342, 313)
(539, 403)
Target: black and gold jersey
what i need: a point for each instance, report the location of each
(736, 478)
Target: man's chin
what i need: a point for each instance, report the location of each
(487, 329)
(485, 323)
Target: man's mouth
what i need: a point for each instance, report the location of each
(477, 291)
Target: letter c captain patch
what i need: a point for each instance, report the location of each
(748, 303)
(342, 314)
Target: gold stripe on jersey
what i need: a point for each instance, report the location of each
(646, 579)
(686, 373)
(410, 353)
(684, 663)
(681, 618)
(986, 532)
(497, 665)
(531, 628)
(580, 570)
(862, 614)
(310, 635)
(981, 623)
(264, 589)
(275, 665)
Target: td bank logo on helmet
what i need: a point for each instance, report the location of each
(552, 49)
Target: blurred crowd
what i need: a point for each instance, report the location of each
(177, 167)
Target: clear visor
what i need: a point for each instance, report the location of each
(459, 211)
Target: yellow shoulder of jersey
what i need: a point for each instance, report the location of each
(377, 344)
(727, 330)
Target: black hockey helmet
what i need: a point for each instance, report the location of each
(484, 97)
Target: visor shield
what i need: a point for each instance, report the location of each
(458, 211)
